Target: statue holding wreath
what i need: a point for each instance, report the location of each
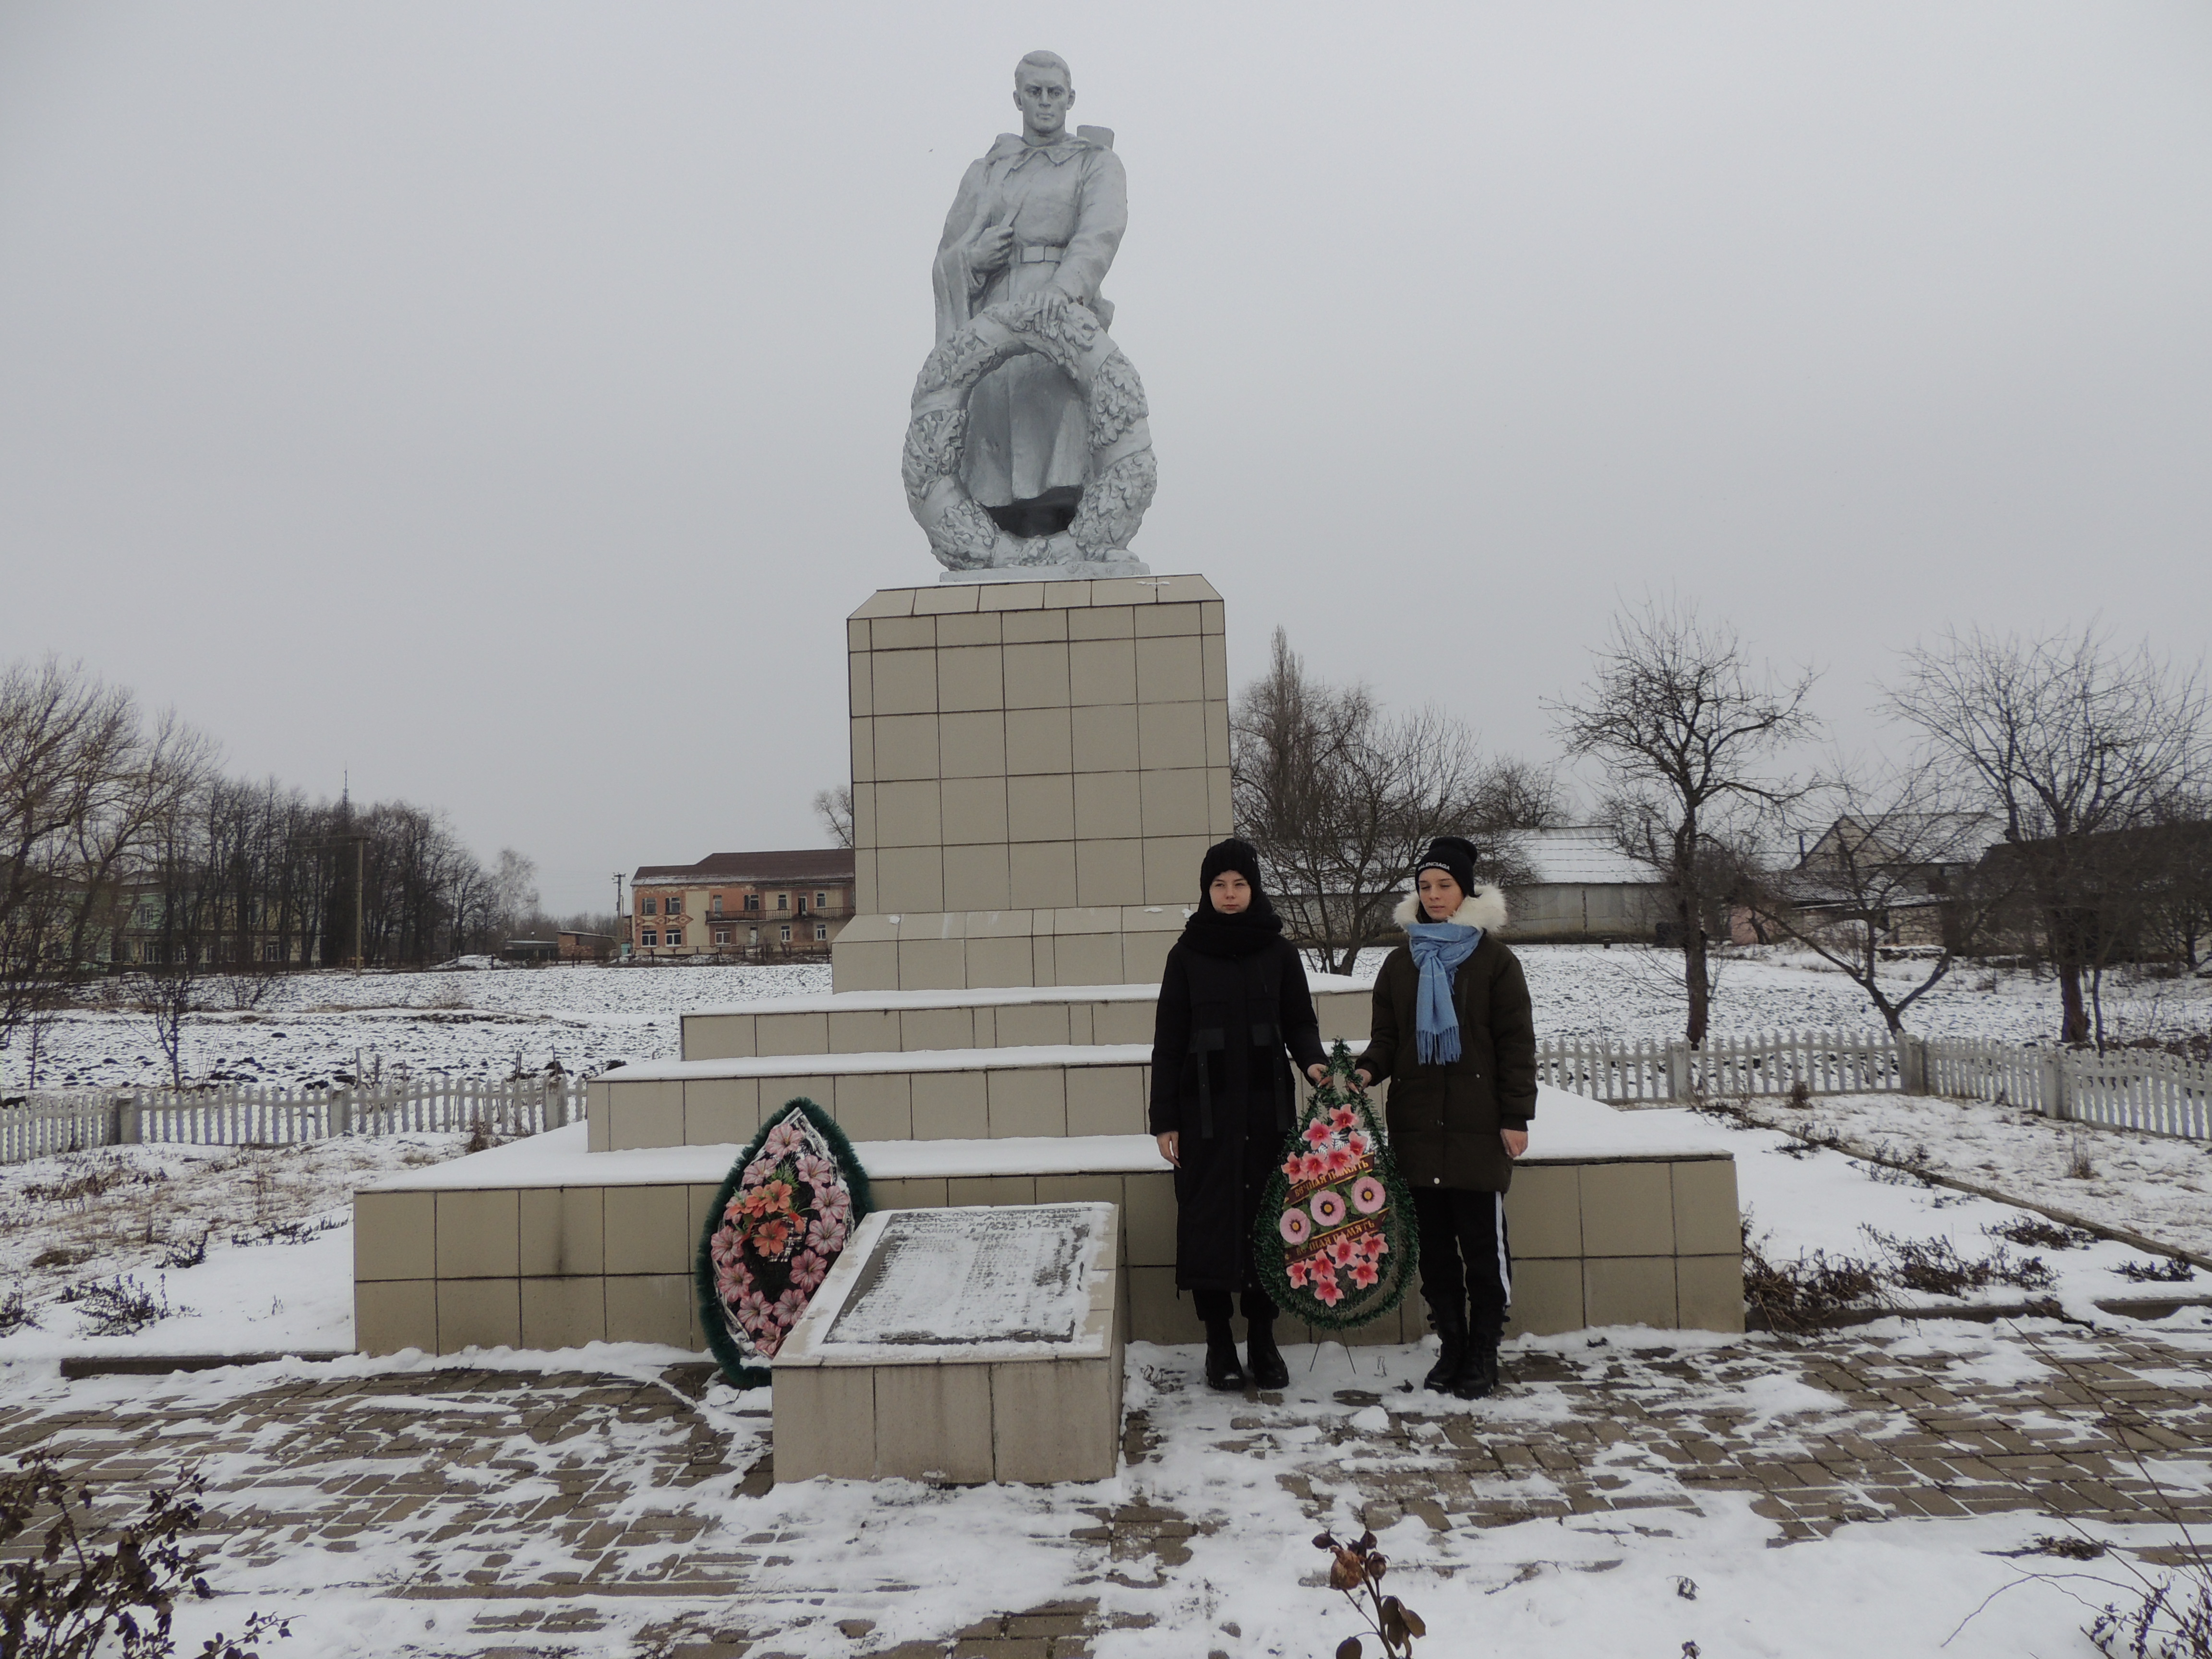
(1028, 443)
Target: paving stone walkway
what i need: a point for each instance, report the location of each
(546, 1502)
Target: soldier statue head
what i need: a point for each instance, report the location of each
(1044, 91)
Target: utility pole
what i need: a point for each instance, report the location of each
(619, 938)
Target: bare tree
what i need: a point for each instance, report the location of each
(1341, 800)
(835, 808)
(85, 780)
(2179, 909)
(2067, 740)
(514, 892)
(1880, 856)
(1686, 727)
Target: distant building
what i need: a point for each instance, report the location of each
(742, 904)
(1896, 876)
(1585, 889)
(587, 947)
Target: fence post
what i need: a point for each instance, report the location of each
(124, 1126)
(556, 1103)
(341, 1113)
(2055, 1092)
(1677, 1070)
(1912, 1064)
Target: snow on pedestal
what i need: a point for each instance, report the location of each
(959, 1345)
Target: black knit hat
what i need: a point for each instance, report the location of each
(1231, 854)
(1452, 856)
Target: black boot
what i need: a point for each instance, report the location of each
(1477, 1375)
(1451, 1326)
(1261, 1356)
(1222, 1370)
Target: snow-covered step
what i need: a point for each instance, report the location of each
(941, 1094)
(891, 1022)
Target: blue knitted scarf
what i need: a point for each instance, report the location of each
(1439, 948)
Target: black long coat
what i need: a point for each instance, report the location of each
(1220, 1078)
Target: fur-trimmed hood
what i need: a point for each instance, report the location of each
(1484, 907)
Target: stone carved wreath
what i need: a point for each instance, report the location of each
(1122, 472)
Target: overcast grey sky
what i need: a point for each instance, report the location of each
(502, 402)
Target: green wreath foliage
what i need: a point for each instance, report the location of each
(744, 1333)
(1334, 1168)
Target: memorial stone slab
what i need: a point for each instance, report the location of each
(959, 1345)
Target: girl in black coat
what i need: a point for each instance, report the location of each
(1233, 998)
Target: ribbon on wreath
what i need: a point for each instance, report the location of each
(1334, 1241)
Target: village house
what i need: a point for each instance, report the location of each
(1583, 889)
(742, 904)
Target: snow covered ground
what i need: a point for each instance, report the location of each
(922, 1563)
(313, 1028)
(1630, 992)
(277, 1222)
(275, 1274)
(2150, 1184)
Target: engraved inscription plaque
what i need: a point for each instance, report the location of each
(965, 1276)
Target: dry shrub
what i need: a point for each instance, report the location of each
(2173, 1270)
(2174, 1621)
(120, 1306)
(1797, 1296)
(1934, 1266)
(2032, 1233)
(93, 1587)
(103, 1177)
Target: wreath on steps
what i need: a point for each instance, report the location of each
(779, 1223)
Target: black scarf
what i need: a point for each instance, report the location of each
(1251, 930)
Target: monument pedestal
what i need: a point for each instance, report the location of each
(1037, 769)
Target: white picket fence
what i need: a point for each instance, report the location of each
(2127, 1088)
(266, 1115)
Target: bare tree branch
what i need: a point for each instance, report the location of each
(2067, 740)
(1686, 727)
(1341, 800)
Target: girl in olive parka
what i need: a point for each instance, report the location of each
(1455, 1036)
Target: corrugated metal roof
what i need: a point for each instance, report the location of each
(1581, 855)
(757, 869)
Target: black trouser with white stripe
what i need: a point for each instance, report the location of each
(1465, 1259)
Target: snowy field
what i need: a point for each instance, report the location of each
(315, 1028)
(310, 1028)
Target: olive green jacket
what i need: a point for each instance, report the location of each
(1443, 1120)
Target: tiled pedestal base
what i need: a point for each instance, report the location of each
(544, 1244)
(1037, 769)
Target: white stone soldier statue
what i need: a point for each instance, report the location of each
(1041, 212)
